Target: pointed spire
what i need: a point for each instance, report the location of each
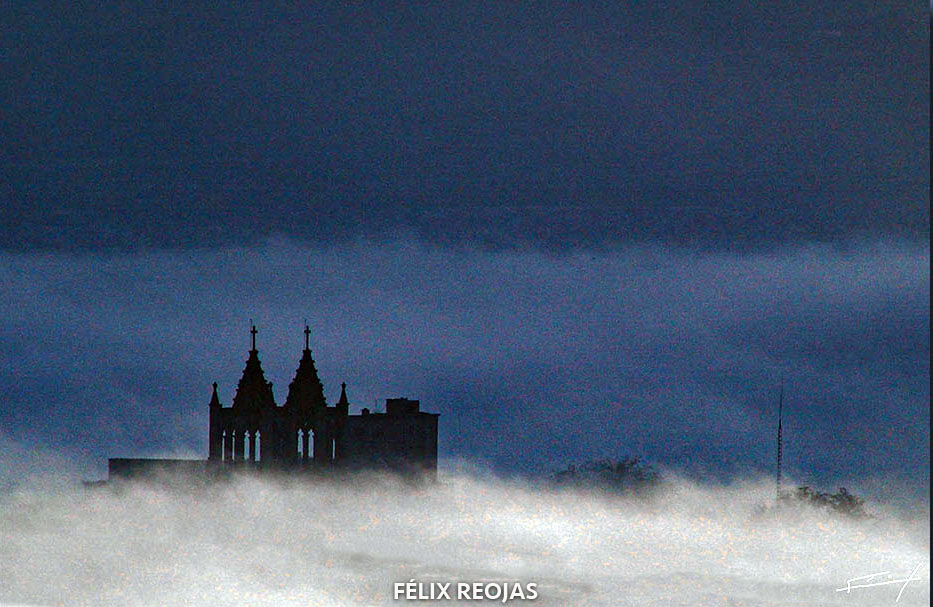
(215, 402)
(253, 391)
(343, 403)
(306, 391)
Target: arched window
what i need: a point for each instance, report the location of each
(305, 445)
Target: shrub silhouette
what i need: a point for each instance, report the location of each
(626, 476)
(841, 502)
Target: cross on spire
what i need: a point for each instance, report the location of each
(253, 333)
(307, 335)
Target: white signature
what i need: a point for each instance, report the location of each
(867, 581)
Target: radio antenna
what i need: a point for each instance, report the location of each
(780, 437)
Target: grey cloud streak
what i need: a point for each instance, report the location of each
(532, 359)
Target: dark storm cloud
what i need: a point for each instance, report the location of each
(718, 126)
(532, 359)
(560, 150)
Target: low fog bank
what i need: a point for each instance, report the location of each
(263, 542)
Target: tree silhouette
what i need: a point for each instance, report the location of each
(626, 476)
(842, 502)
(846, 503)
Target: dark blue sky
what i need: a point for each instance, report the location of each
(572, 231)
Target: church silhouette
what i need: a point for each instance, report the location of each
(304, 434)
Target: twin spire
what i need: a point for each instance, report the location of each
(253, 331)
(304, 391)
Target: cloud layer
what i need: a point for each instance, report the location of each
(348, 543)
(717, 126)
(533, 360)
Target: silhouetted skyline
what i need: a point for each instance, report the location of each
(597, 231)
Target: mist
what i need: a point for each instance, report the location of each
(347, 542)
(533, 361)
(572, 232)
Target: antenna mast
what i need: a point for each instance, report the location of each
(780, 437)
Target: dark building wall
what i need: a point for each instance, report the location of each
(402, 439)
(119, 468)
